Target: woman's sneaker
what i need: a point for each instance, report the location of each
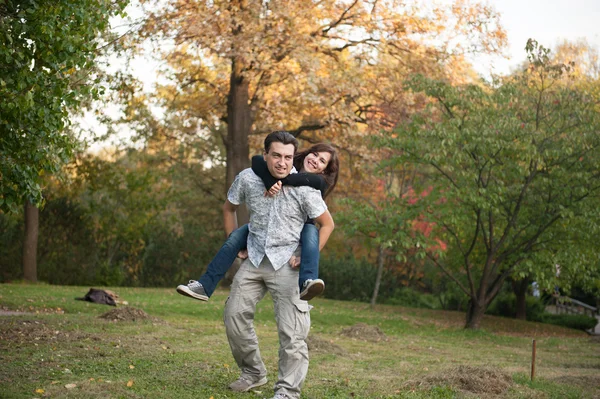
(194, 290)
(311, 289)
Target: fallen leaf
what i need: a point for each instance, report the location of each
(39, 390)
(130, 383)
(164, 347)
(131, 366)
(70, 386)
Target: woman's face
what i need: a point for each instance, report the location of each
(316, 162)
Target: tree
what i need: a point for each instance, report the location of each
(514, 170)
(584, 67)
(246, 67)
(47, 51)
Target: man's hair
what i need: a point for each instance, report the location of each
(282, 137)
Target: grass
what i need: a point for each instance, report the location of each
(61, 348)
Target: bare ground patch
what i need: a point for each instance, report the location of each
(486, 382)
(22, 330)
(321, 345)
(364, 332)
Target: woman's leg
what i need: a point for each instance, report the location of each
(224, 259)
(309, 258)
(205, 286)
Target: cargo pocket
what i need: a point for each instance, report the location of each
(302, 317)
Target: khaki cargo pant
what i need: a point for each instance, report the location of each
(293, 323)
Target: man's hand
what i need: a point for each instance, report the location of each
(273, 190)
(243, 254)
(294, 261)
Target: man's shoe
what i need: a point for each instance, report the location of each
(311, 289)
(244, 384)
(194, 290)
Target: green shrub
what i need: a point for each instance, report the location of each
(406, 296)
(453, 299)
(505, 304)
(576, 321)
(347, 278)
(352, 279)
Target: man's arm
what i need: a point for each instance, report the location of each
(327, 226)
(229, 217)
(230, 223)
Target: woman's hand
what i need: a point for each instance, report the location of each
(243, 254)
(294, 261)
(273, 190)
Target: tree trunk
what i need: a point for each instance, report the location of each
(239, 123)
(380, 263)
(475, 314)
(520, 290)
(30, 242)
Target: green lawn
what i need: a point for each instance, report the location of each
(62, 348)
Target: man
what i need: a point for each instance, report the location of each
(274, 236)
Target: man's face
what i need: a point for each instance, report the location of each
(280, 159)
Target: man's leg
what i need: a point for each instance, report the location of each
(247, 289)
(293, 323)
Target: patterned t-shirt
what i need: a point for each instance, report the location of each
(275, 222)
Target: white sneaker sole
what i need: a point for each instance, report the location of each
(258, 383)
(184, 290)
(314, 288)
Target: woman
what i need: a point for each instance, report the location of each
(318, 166)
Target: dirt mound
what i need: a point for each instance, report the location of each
(484, 381)
(365, 332)
(318, 344)
(127, 313)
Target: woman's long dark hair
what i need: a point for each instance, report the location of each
(330, 174)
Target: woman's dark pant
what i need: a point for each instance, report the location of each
(309, 267)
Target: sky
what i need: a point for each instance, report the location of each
(547, 21)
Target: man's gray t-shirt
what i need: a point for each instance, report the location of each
(275, 222)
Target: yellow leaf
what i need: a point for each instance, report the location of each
(39, 390)
(130, 383)
(131, 366)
